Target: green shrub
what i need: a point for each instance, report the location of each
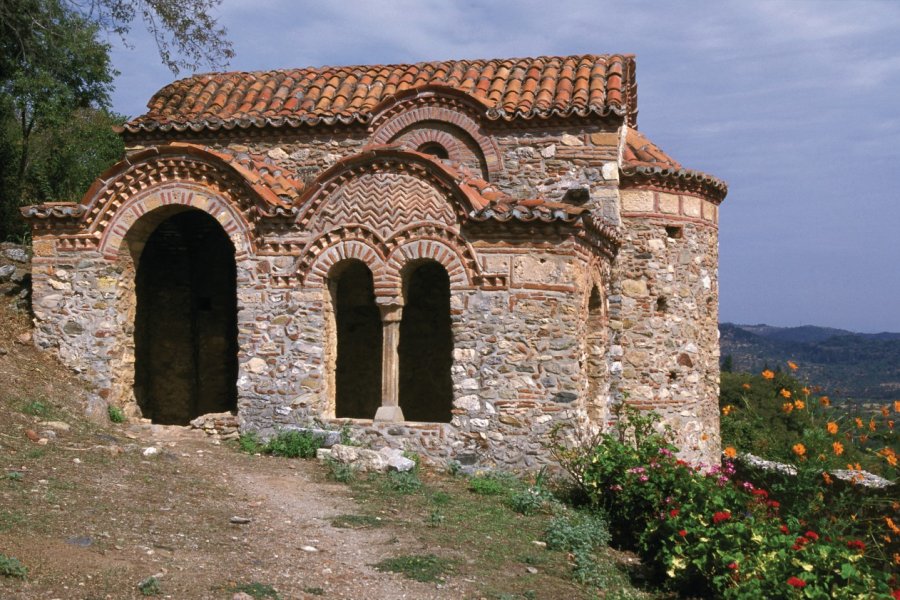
(581, 534)
(711, 534)
(249, 442)
(149, 587)
(294, 444)
(11, 567)
(116, 415)
(340, 472)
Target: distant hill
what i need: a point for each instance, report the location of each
(857, 366)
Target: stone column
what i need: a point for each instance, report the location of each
(389, 411)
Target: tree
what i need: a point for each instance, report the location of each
(55, 81)
(186, 34)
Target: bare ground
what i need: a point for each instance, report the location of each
(91, 516)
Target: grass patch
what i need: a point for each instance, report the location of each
(37, 408)
(11, 567)
(402, 483)
(257, 590)
(493, 484)
(357, 522)
(427, 568)
(9, 519)
(115, 414)
(149, 587)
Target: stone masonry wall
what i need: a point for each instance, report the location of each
(517, 364)
(664, 315)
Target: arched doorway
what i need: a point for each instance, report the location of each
(426, 345)
(359, 339)
(185, 330)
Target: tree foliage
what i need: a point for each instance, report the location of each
(56, 130)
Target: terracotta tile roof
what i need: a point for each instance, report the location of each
(645, 164)
(260, 169)
(508, 89)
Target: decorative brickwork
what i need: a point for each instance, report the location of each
(580, 259)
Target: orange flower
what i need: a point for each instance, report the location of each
(871, 424)
(863, 439)
(827, 478)
(897, 558)
(832, 427)
(746, 386)
(892, 526)
(730, 452)
(806, 391)
(890, 424)
(897, 406)
(824, 401)
(838, 448)
(885, 411)
(767, 374)
(787, 407)
(726, 410)
(793, 366)
(799, 449)
(889, 455)
(785, 393)
(859, 423)
(799, 404)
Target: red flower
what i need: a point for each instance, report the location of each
(796, 582)
(683, 533)
(784, 529)
(896, 594)
(761, 493)
(733, 566)
(773, 503)
(856, 545)
(673, 513)
(812, 535)
(721, 516)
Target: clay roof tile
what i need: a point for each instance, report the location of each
(509, 89)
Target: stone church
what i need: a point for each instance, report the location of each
(452, 257)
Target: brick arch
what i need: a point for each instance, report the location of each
(441, 105)
(421, 248)
(177, 163)
(138, 216)
(332, 247)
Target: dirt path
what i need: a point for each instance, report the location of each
(126, 517)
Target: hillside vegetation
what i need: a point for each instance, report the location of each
(855, 366)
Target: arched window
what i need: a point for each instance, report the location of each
(357, 377)
(426, 345)
(434, 149)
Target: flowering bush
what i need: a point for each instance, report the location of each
(708, 532)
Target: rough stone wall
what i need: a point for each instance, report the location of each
(531, 352)
(517, 362)
(664, 350)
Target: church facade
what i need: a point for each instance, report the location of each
(454, 258)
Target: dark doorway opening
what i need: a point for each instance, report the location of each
(426, 346)
(358, 368)
(186, 323)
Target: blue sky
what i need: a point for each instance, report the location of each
(796, 104)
